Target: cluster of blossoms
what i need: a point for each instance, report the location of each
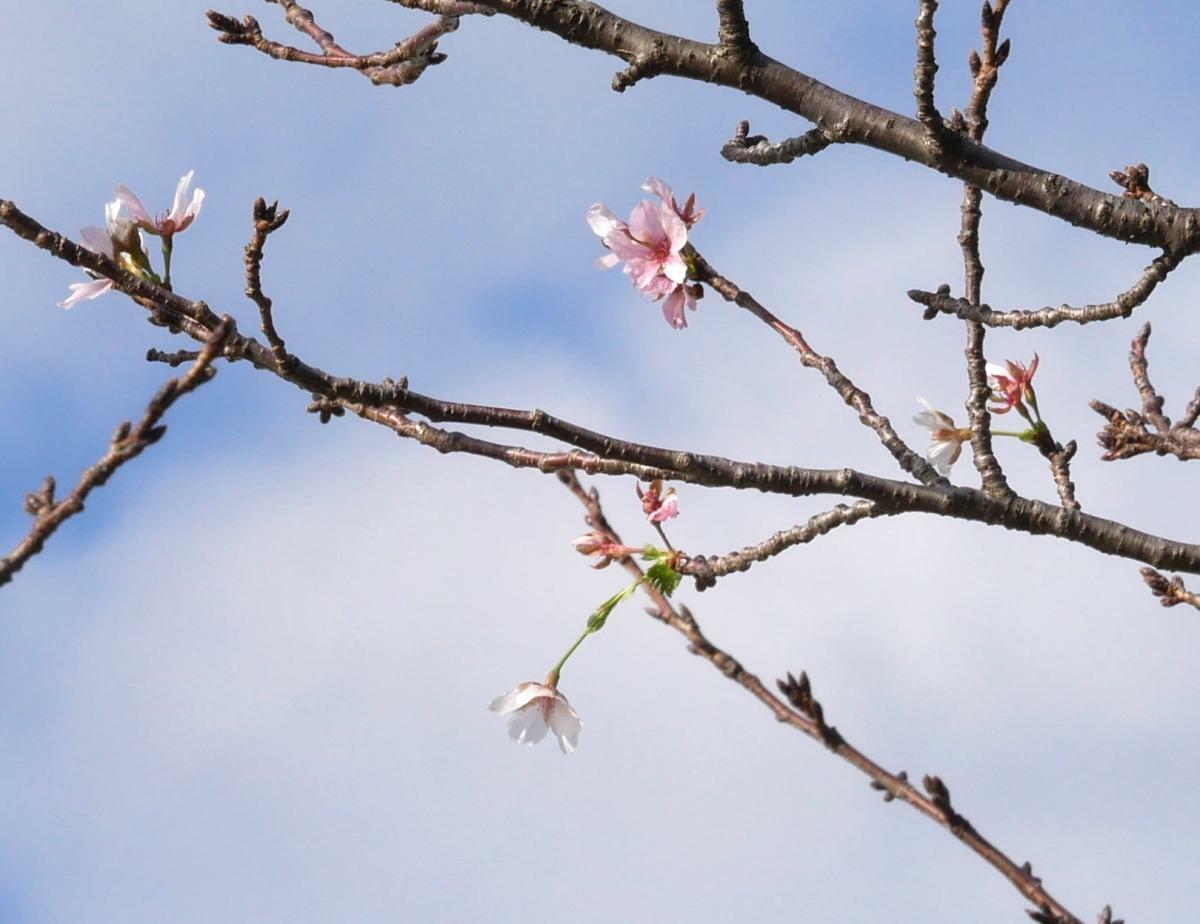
(532, 708)
(652, 244)
(1012, 387)
(122, 240)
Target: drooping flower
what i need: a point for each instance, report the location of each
(651, 245)
(1012, 385)
(945, 439)
(535, 708)
(658, 506)
(182, 213)
(119, 240)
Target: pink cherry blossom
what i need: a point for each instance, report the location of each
(651, 245)
(181, 215)
(535, 708)
(658, 506)
(1012, 384)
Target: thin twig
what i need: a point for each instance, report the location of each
(744, 148)
(985, 69)
(397, 67)
(854, 396)
(806, 715)
(707, 570)
(178, 358)
(1060, 469)
(1021, 319)
(1132, 433)
(1169, 592)
(127, 442)
(267, 219)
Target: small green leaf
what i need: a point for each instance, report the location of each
(663, 578)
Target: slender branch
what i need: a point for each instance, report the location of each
(1135, 180)
(923, 74)
(389, 403)
(592, 26)
(1060, 469)
(707, 570)
(804, 713)
(854, 396)
(986, 71)
(267, 219)
(745, 148)
(1131, 433)
(178, 358)
(1169, 593)
(397, 67)
(1021, 319)
(127, 443)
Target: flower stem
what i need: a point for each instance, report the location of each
(594, 624)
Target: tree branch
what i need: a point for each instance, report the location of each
(707, 570)
(592, 26)
(127, 443)
(1169, 593)
(389, 403)
(1021, 319)
(398, 67)
(854, 396)
(807, 716)
(267, 219)
(743, 148)
(923, 75)
(1130, 434)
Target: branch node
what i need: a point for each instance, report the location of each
(643, 66)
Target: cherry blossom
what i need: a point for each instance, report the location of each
(119, 240)
(601, 548)
(535, 708)
(182, 213)
(946, 440)
(651, 245)
(1012, 384)
(658, 506)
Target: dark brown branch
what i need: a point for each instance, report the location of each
(807, 716)
(178, 358)
(923, 75)
(389, 404)
(985, 69)
(591, 26)
(1169, 593)
(854, 396)
(745, 148)
(127, 443)
(267, 219)
(707, 570)
(397, 67)
(1131, 433)
(1021, 319)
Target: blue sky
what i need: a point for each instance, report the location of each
(250, 683)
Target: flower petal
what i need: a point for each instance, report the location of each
(128, 198)
(672, 310)
(602, 220)
(81, 291)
